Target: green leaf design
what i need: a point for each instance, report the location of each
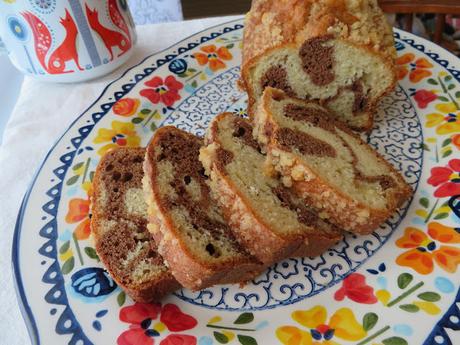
(91, 176)
(192, 70)
(77, 166)
(425, 202)
(246, 340)
(91, 253)
(72, 180)
(448, 78)
(194, 83)
(404, 279)
(446, 142)
(442, 98)
(145, 111)
(451, 86)
(394, 341)
(230, 46)
(441, 216)
(183, 75)
(447, 153)
(457, 94)
(137, 120)
(68, 265)
(425, 147)
(411, 308)
(121, 298)
(221, 338)
(369, 321)
(64, 247)
(432, 81)
(244, 318)
(429, 296)
(153, 126)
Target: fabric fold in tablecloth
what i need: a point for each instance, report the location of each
(42, 114)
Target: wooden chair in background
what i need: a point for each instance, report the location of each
(410, 7)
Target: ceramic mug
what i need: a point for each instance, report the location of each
(67, 40)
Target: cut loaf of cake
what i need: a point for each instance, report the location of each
(119, 227)
(337, 52)
(327, 164)
(187, 224)
(265, 216)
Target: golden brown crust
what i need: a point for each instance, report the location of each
(275, 24)
(317, 244)
(249, 228)
(191, 271)
(341, 209)
(143, 292)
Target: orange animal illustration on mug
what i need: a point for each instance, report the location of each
(111, 38)
(66, 51)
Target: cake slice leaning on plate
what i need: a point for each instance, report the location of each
(185, 221)
(119, 227)
(267, 217)
(339, 53)
(327, 164)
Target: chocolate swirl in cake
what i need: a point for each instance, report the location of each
(318, 60)
(183, 154)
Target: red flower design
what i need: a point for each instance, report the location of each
(179, 339)
(424, 97)
(447, 178)
(166, 91)
(142, 331)
(140, 316)
(175, 320)
(355, 288)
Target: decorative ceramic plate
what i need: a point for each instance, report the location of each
(399, 285)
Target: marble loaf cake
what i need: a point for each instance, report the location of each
(337, 52)
(119, 227)
(188, 226)
(265, 216)
(327, 164)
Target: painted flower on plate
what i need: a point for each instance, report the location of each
(120, 134)
(424, 97)
(126, 106)
(319, 330)
(447, 120)
(165, 91)
(355, 288)
(446, 179)
(418, 69)
(78, 212)
(213, 56)
(142, 331)
(426, 250)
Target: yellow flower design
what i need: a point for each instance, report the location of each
(447, 121)
(121, 134)
(342, 324)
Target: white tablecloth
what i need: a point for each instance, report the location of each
(41, 115)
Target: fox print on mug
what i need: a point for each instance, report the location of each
(67, 41)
